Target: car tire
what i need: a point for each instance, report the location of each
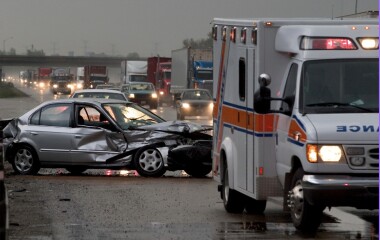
(305, 217)
(198, 171)
(76, 170)
(153, 105)
(233, 200)
(253, 206)
(25, 160)
(149, 162)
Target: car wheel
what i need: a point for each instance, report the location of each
(153, 105)
(25, 161)
(253, 206)
(233, 201)
(198, 171)
(305, 216)
(149, 162)
(76, 170)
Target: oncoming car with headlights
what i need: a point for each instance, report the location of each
(81, 134)
(194, 102)
(143, 93)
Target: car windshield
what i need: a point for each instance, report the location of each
(196, 95)
(141, 87)
(335, 86)
(130, 116)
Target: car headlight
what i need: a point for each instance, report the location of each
(161, 92)
(154, 95)
(131, 95)
(79, 86)
(185, 105)
(42, 85)
(211, 106)
(70, 86)
(324, 153)
(55, 86)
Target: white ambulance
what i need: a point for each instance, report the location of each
(296, 115)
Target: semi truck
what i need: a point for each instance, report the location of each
(191, 68)
(296, 115)
(43, 77)
(133, 71)
(61, 80)
(95, 75)
(159, 73)
(31, 77)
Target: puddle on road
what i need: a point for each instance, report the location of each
(224, 230)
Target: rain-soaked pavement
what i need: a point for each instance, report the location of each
(105, 204)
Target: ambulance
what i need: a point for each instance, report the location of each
(296, 107)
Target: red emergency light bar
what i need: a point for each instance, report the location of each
(327, 43)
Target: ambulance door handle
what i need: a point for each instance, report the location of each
(297, 135)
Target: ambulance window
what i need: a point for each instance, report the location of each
(290, 88)
(242, 79)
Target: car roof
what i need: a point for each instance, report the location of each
(97, 90)
(141, 83)
(96, 101)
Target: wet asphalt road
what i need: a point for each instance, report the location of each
(110, 205)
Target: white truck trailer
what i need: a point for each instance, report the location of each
(134, 71)
(191, 68)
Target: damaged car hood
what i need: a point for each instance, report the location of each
(177, 127)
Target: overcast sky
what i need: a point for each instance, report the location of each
(148, 27)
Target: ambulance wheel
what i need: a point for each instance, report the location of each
(253, 206)
(233, 201)
(305, 217)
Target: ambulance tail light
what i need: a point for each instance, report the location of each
(324, 153)
(369, 43)
(322, 43)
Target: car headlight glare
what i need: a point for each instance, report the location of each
(323, 153)
(131, 95)
(330, 153)
(312, 153)
(154, 95)
(185, 105)
(211, 106)
(55, 86)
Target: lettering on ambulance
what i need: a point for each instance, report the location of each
(356, 128)
(297, 132)
(219, 102)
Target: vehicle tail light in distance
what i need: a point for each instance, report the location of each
(369, 43)
(323, 43)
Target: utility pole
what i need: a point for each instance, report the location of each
(4, 43)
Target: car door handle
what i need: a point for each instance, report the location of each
(34, 133)
(78, 136)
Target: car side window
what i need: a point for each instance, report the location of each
(54, 115)
(90, 116)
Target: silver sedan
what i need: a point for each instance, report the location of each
(79, 134)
